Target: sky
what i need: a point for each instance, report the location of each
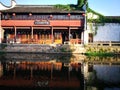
(104, 7)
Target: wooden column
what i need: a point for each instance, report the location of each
(32, 32)
(69, 32)
(15, 32)
(52, 35)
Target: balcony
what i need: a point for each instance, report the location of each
(41, 17)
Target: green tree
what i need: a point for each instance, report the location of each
(80, 3)
(63, 7)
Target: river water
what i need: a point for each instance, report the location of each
(58, 71)
(103, 77)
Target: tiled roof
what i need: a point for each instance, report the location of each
(113, 17)
(39, 9)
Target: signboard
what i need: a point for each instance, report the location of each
(41, 22)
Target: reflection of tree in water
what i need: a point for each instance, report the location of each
(100, 59)
(64, 58)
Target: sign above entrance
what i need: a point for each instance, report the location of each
(41, 22)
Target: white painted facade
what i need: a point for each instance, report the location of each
(107, 32)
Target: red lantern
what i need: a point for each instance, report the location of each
(30, 14)
(14, 14)
(83, 14)
(69, 14)
(51, 16)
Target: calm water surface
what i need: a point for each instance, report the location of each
(40, 71)
(58, 71)
(102, 74)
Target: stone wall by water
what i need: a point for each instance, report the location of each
(37, 48)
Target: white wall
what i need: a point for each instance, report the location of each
(108, 32)
(85, 39)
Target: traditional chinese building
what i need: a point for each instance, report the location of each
(42, 24)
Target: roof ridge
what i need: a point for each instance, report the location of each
(34, 5)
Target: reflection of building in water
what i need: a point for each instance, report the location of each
(85, 70)
(88, 71)
(43, 57)
(1, 70)
(48, 74)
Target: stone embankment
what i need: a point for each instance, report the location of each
(58, 48)
(37, 48)
(103, 49)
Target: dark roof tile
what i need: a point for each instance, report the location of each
(38, 9)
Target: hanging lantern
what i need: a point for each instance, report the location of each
(83, 14)
(51, 16)
(30, 14)
(69, 14)
(14, 14)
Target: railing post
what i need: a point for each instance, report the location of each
(52, 35)
(110, 43)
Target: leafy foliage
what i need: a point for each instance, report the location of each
(112, 19)
(80, 3)
(79, 6)
(103, 54)
(63, 7)
(102, 19)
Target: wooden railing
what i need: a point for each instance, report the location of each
(75, 41)
(43, 17)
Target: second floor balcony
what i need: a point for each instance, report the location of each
(41, 17)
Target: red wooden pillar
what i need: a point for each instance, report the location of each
(69, 32)
(31, 32)
(15, 34)
(52, 35)
(15, 31)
